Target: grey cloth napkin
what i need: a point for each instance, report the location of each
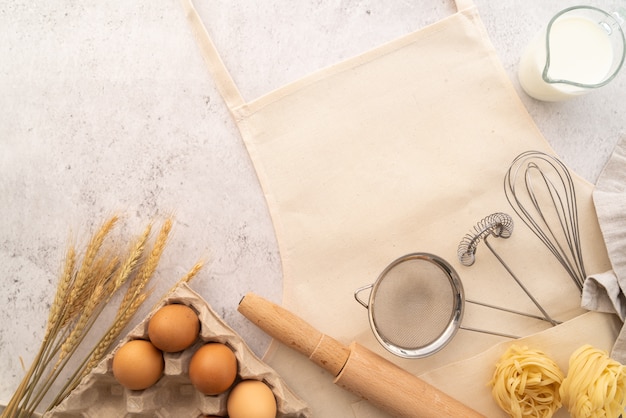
(606, 292)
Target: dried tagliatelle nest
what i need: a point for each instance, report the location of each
(174, 395)
(595, 385)
(526, 383)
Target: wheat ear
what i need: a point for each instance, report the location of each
(81, 281)
(148, 268)
(114, 332)
(127, 268)
(61, 293)
(185, 279)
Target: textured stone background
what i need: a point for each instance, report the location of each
(107, 107)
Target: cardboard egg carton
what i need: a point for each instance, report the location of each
(99, 395)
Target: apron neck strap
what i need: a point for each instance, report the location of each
(220, 74)
(463, 4)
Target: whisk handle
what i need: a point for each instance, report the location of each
(357, 369)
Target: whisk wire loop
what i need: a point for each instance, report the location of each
(541, 191)
(563, 210)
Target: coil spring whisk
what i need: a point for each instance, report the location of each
(497, 224)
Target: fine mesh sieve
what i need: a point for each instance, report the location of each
(415, 306)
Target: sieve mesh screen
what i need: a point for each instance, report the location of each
(413, 303)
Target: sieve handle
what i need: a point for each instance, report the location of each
(358, 299)
(355, 368)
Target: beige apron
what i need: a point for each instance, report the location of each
(402, 149)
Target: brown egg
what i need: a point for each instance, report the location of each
(213, 368)
(173, 328)
(251, 399)
(138, 364)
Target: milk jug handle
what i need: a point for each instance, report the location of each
(619, 17)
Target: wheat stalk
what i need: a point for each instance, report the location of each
(132, 300)
(124, 314)
(147, 269)
(192, 273)
(114, 332)
(62, 289)
(71, 342)
(81, 284)
(186, 278)
(134, 256)
(82, 293)
(67, 331)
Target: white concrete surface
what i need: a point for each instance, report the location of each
(108, 107)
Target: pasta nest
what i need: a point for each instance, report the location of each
(595, 386)
(526, 383)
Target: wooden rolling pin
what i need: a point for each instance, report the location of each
(357, 369)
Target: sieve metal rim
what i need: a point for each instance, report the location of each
(456, 315)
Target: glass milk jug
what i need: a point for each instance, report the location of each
(580, 50)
